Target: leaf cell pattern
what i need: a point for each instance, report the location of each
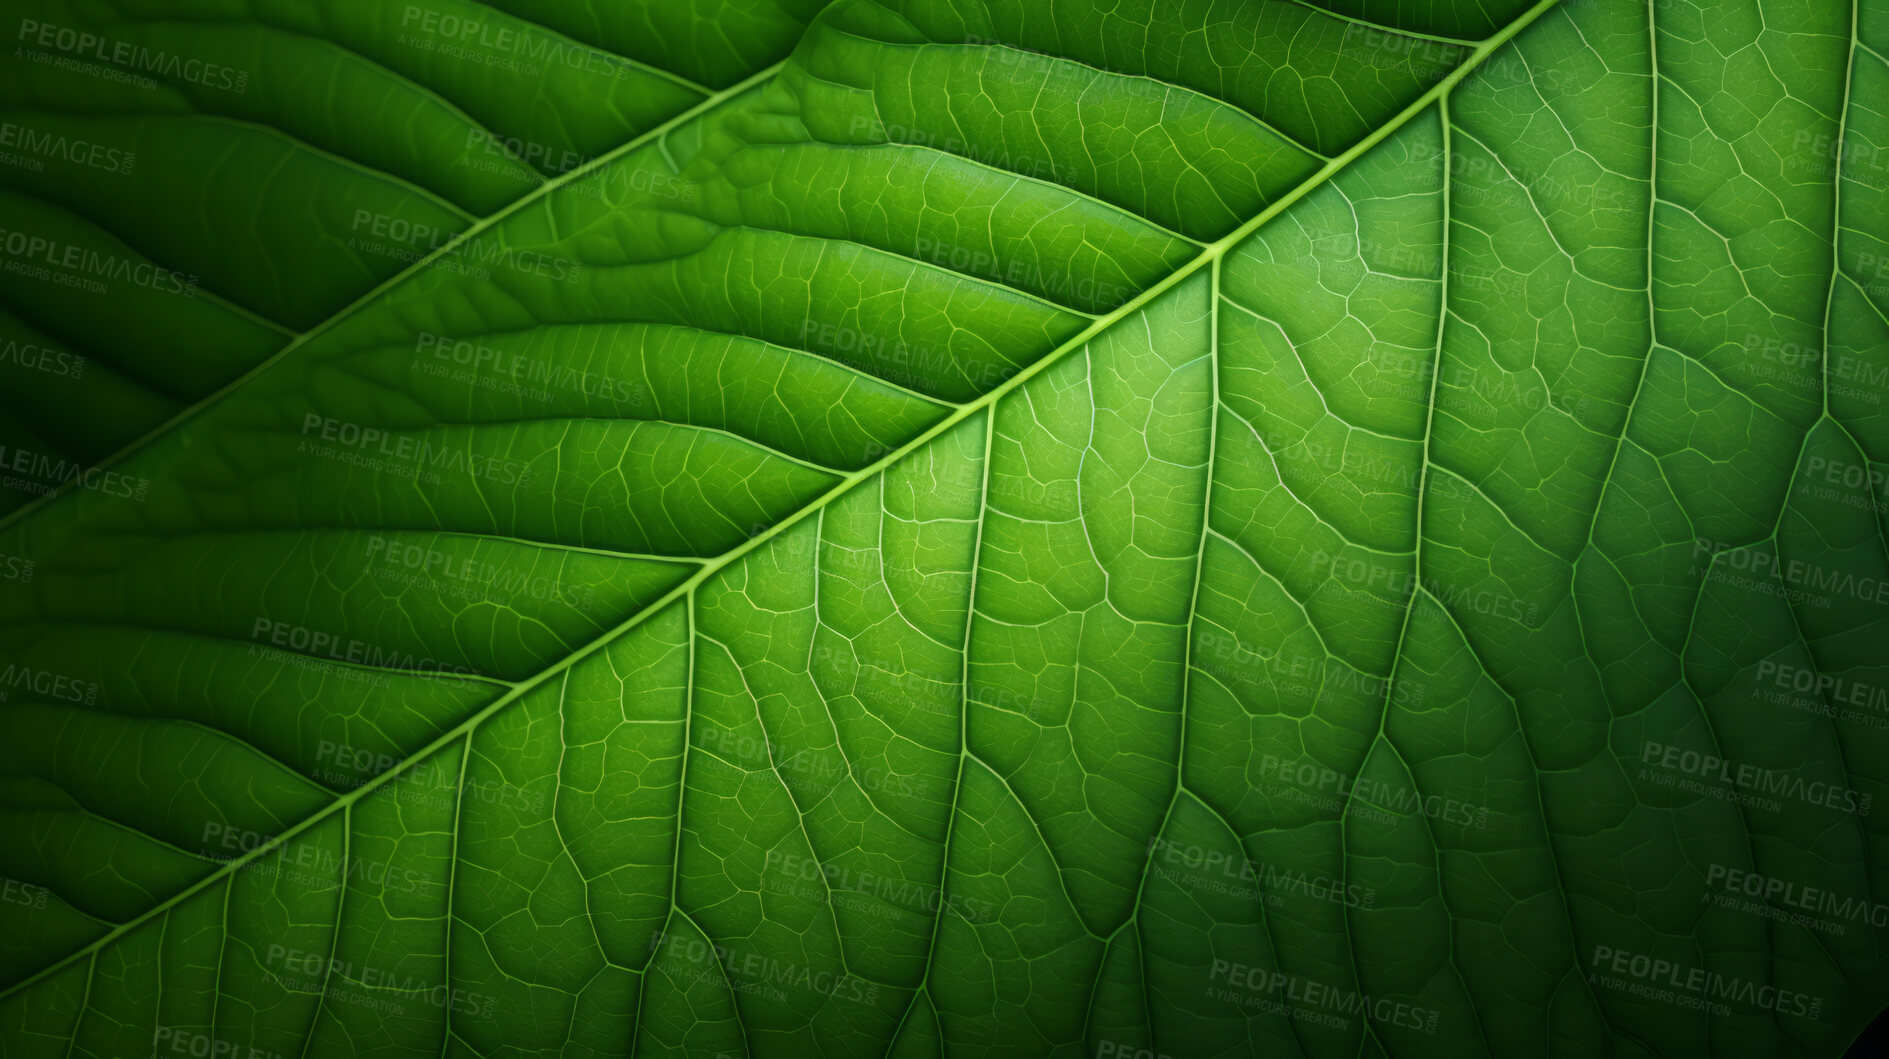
(1025, 529)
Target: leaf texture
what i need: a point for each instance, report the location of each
(1177, 529)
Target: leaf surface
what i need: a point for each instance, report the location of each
(1195, 529)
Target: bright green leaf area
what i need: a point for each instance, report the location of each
(1159, 528)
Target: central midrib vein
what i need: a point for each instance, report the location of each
(1211, 253)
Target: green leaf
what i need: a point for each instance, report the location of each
(1172, 529)
(187, 189)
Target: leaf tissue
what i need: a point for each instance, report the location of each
(918, 528)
